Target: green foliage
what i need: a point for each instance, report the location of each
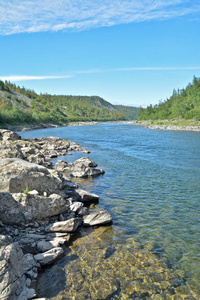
(183, 104)
(26, 191)
(55, 109)
(130, 112)
(7, 95)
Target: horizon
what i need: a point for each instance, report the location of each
(128, 53)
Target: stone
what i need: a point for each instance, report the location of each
(28, 262)
(70, 225)
(50, 256)
(61, 166)
(17, 175)
(45, 245)
(76, 206)
(8, 135)
(11, 212)
(37, 207)
(97, 218)
(85, 196)
(11, 269)
(84, 167)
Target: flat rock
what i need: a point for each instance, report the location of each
(65, 226)
(97, 218)
(50, 256)
(85, 196)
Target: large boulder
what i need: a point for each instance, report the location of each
(97, 218)
(17, 175)
(12, 279)
(11, 211)
(37, 207)
(84, 167)
(19, 207)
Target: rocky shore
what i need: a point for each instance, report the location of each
(147, 124)
(40, 208)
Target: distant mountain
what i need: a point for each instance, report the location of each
(130, 112)
(23, 106)
(184, 103)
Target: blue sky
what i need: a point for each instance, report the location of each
(128, 52)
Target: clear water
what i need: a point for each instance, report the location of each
(151, 187)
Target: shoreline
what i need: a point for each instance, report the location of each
(147, 124)
(40, 208)
(19, 128)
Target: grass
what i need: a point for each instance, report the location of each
(26, 191)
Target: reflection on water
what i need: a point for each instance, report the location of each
(151, 188)
(98, 265)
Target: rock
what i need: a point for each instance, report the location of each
(97, 218)
(10, 151)
(84, 167)
(61, 166)
(28, 262)
(85, 196)
(37, 207)
(11, 212)
(86, 151)
(34, 192)
(11, 269)
(16, 175)
(50, 256)
(65, 226)
(76, 206)
(82, 211)
(45, 245)
(7, 135)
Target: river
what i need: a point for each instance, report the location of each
(151, 186)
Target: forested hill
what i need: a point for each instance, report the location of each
(130, 112)
(184, 103)
(23, 106)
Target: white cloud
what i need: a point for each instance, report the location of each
(15, 78)
(49, 15)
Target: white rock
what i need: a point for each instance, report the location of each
(97, 218)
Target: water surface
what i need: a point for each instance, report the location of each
(151, 187)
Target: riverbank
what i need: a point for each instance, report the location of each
(175, 125)
(40, 208)
(18, 128)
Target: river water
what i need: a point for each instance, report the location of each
(151, 186)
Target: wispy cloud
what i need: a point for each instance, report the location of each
(15, 78)
(25, 77)
(50, 15)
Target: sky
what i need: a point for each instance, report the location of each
(129, 52)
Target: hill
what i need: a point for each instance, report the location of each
(183, 104)
(20, 106)
(130, 112)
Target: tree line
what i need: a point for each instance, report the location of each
(184, 103)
